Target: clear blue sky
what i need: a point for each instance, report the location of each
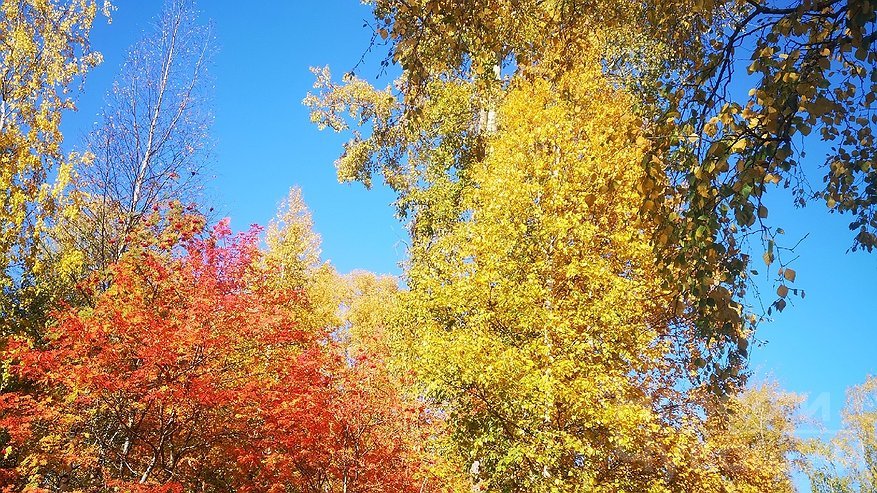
(265, 144)
(264, 141)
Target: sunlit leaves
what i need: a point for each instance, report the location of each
(538, 316)
(198, 367)
(755, 441)
(846, 464)
(44, 49)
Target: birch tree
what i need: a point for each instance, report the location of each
(151, 143)
(43, 51)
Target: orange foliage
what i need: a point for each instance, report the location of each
(190, 373)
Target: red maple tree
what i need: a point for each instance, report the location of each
(190, 373)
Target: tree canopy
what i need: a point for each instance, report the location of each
(584, 186)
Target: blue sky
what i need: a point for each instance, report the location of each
(265, 144)
(264, 141)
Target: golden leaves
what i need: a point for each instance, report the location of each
(845, 459)
(544, 300)
(531, 240)
(45, 48)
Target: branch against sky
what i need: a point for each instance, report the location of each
(151, 144)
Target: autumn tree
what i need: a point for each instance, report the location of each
(371, 310)
(292, 261)
(554, 204)
(812, 67)
(373, 399)
(44, 51)
(536, 322)
(537, 317)
(151, 143)
(424, 133)
(141, 388)
(848, 463)
(198, 369)
(753, 439)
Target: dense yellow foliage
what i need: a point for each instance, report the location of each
(44, 49)
(292, 262)
(539, 323)
(556, 315)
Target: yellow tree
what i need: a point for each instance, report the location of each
(849, 462)
(562, 313)
(424, 132)
(370, 312)
(537, 318)
(44, 49)
(751, 441)
(292, 261)
(812, 67)
(539, 321)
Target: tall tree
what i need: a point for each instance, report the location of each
(44, 50)
(575, 321)
(537, 322)
(292, 261)
(849, 462)
(151, 143)
(753, 440)
(812, 65)
(537, 319)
